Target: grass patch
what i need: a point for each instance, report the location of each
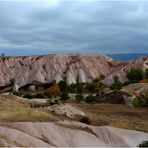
(15, 109)
(119, 116)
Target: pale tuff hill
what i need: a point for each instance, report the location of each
(45, 69)
(66, 134)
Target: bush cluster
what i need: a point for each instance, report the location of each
(143, 144)
(64, 96)
(142, 100)
(91, 99)
(79, 98)
(32, 96)
(135, 74)
(52, 102)
(137, 102)
(117, 85)
(85, 120)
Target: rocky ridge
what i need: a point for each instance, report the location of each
(45, 69)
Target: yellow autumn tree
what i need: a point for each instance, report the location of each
(53, 91)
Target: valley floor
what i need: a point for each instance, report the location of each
(21, 125)
(13, 109)
(120, 116)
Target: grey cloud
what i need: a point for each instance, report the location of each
(73, 27)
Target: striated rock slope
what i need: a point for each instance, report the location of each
(67, 134)
(45, 69)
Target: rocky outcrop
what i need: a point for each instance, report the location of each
(67, 110)
(142, 62)
(44, 69)
(135, 89)
(66, 134)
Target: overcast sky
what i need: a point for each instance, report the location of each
(78, 26)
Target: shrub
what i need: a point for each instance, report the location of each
(38, 95)
(143, 144)
(80, 87)
(96, 80)
(85, 120)
(137, 102)
(28, 96)
(92, 87)
(56, 101)
(32, 96)
(117, 84)
(64, 96)
(126, 83)
(146, 73)
(91, 99)
(135, 74)
(79, 97)
(100, 88)
(145, 98)
(17, 93)
(72, 88)
(142, 100)
(50, 102)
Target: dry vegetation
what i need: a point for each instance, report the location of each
(16, 109)
(116, 115)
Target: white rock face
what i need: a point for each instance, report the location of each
(45, 69)
(66, 134)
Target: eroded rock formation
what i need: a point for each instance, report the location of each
(45, 69)
(66, 134)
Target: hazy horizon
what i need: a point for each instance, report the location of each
(80, 26)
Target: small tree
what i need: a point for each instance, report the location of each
(146, 73)
(81, 87)
(63, 86)
(100, 88)
(64, 96)
(117, 84)
(72, 88)
(91, 99)
(53, 91)
(92, 87)
(135, 74)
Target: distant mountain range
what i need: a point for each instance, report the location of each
(127, 57)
